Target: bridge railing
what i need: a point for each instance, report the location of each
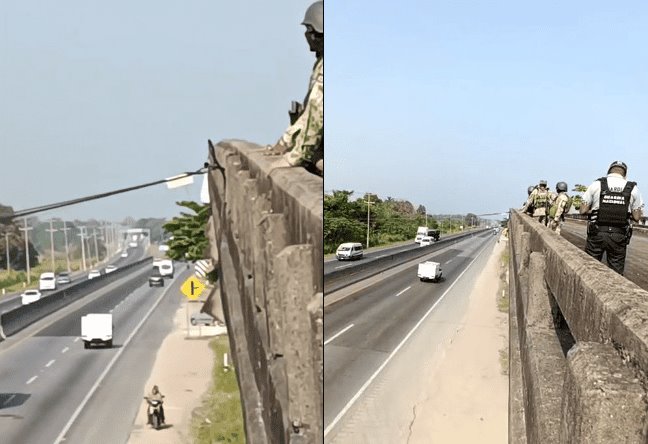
(267, 229)
(578, 344)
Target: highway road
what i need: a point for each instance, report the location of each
(363, 334)
(9, 302)
(52, 390)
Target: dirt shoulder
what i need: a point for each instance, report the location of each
(182, 370)
(467, 399)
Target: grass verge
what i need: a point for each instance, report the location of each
(220, 418)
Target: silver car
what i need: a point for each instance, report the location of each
(202, 319)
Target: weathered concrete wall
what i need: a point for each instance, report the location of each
(582, 337)
(267, 229)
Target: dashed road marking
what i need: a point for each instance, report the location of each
(344, 266)
(77, 339)
(403, 291)
(50, 363)
(65, 349)
(338, 333)
(32, 379)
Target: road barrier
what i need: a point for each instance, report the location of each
(344, 277)
(266, 237)
(21, 317)
(578, 344)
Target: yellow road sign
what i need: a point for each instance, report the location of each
(192, 287)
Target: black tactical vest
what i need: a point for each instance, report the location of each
(613, 205)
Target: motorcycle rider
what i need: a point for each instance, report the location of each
(155, 395)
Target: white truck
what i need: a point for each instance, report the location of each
(429, 271)
(97, 328)
(421, 232)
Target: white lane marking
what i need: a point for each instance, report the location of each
(77, 339)
(50, 363)
(338, 333)
(344, 266)
(65, 349)
(447, 262)
(9, 399)
(112, 362)
(403, 291)
(32, 379)
(393, 353)
(110, 311)
(382, 255)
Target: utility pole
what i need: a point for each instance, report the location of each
(7, 250)
(83, 258)
(51, 232)
(368, 207)
(26, 230)
(94, 234)
(67, 251)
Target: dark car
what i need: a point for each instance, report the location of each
(155, 278)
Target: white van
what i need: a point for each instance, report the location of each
(47, 281)
(165, 266)
(97, 328)
(349, 251)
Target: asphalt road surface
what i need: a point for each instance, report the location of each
(53, 390)
(363, 333)
(9, 302)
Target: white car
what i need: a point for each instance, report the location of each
(110, 268)
(94, 274)
(30, 296)
(133, 244)
(427, 240)
(124, 253)
(47, 281)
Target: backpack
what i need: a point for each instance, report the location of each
(554, 207)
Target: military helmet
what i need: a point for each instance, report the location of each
(543, 183)
(530, 189)
(618, 163)
(315, 17)
(561, 186)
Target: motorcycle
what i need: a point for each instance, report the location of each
(154, 412)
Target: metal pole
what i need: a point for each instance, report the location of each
(51, 232)
(7, 250)
(82, 247)
(67, 251)
(26, 230)
(94, 234)
(369, 202)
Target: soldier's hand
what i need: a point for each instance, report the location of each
(276, 150)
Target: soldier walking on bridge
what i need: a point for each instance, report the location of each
(302, 144)
(560, 206)
(612, 203)
(539, 199)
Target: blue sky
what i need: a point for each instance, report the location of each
(460, 106)
(96, 96)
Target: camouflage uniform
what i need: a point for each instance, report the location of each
(303, 141)
(539, 199)
(559, 207)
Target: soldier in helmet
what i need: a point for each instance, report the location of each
(539, 198)
(559, 207)
(612, 204)
(302, 144)
(530, 208)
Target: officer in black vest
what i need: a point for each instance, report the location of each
(612, 204)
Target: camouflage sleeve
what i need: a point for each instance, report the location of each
(560, 207)
(306, 133)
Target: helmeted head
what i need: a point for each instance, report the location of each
(618, 167)
(561, 186)
(155, 389)
(530, 189)
(543, 184)
(314, 22)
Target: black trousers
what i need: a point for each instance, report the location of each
(613, 244)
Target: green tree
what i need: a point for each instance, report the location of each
(189, 240)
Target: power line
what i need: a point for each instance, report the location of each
(30, 211)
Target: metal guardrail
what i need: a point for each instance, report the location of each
(19, 318)
(339, 279)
